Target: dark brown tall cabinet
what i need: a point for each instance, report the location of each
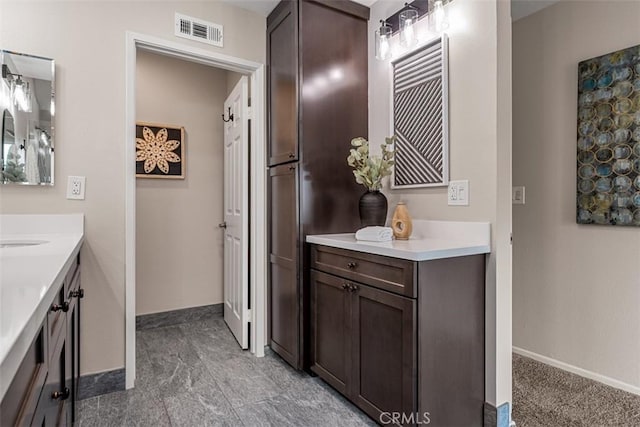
(317, 102)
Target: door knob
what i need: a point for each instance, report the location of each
(222, 225)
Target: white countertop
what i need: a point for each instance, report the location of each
(430, 240)
(30, 276)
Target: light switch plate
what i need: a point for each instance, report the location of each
(517, 195)
(75, 187)
(458, 194)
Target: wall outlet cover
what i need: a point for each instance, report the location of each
(75, 187)
(458, 194)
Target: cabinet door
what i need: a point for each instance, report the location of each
(282, 90)
(73, 340)
(284, 327)
(384, 351)
(57, 391)
(330, 330)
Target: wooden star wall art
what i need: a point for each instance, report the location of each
(159, 151)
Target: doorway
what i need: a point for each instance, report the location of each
(257, 184)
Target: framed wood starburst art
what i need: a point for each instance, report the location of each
(159, 151)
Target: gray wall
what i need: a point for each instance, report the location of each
(575, 288)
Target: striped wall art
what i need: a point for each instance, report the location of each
(420, 117)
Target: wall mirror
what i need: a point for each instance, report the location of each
(28, 108)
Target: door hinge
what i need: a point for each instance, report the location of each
(249, 313)
(249, 112)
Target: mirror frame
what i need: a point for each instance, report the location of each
(52, 136)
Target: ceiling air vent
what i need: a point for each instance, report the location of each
(198, 30)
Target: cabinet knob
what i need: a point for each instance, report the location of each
(292, 168)
(345, 286)
(292, 156)
(352, 265)
(61, 395)
(77, 294)
(353, 288)
(57, 307)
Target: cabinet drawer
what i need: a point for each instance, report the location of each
(20, 401)
(391, 274)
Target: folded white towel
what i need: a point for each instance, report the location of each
(375, 234)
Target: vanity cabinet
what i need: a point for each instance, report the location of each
(394, 335)
(364, 336)
(44, 390)
(317, 96)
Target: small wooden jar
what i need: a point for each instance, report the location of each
(401, 222)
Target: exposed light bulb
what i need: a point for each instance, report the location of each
(20, 96)
(385, 49)
(439, 16)
(409, 34)
(408, 18)
(383, 45)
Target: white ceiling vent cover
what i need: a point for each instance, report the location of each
(198, 30)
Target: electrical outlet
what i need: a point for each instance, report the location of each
(75, 187)
(458, 194)
(517, 195)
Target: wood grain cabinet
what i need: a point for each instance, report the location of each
(317, 98)
(44, 390)
(400, 336)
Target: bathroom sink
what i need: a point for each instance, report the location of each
(20, 243)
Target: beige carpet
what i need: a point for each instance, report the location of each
(547, 396)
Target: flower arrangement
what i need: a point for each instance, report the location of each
(369, 170)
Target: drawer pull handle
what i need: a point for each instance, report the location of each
(351, 265)
(292, 168)
(353, 288)
(292, 156)
(57, 307)
(61, 395)
(77, 294)
(345, 286)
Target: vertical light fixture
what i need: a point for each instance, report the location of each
(22, 95)
(408, 18)
(383, 41)
(19, 89)
(440, 20)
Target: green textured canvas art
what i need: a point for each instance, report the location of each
(608, 185)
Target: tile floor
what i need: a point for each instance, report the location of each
(194, 374)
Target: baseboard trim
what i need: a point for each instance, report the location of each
(177, 317)
(490, 415)
(578, 371)
(92, 385)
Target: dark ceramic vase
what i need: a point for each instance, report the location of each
(373, 209)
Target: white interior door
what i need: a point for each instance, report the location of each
(236, 216)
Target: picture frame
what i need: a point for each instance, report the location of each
(420, 116)
(608, 139)
(160, 151)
